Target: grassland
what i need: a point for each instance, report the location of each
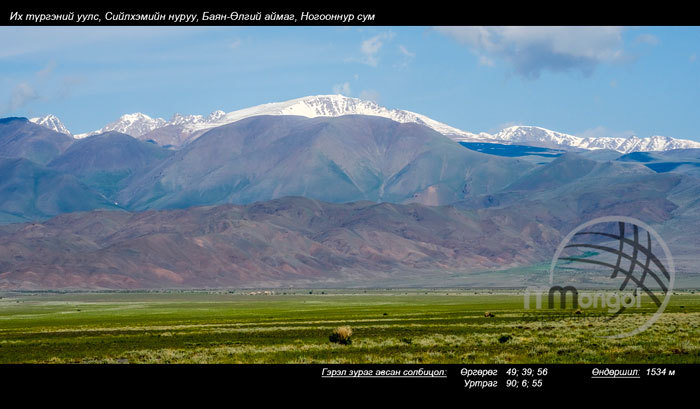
(396, 326)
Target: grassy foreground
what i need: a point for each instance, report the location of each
(411, 326)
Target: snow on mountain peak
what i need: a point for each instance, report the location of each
(52, 122)
(179, 119)
(533, 135)
(185, 128)
(325, 106)
(216, 115)
(189, 127)
(135, 124)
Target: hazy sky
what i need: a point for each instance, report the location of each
(588, 81)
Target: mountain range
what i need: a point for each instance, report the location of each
(289, 241)
(304, 198)
(182, 129)
(339, 159)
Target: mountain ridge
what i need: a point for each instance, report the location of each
(51, 122)
(282, 242)
(182, 129)
(337, 159)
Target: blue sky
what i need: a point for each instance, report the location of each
(589, 81)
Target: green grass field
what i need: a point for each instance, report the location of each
(389, 326)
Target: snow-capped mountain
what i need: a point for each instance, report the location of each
(533, 135)
(527, 135)
(636, 144)
(182, 129)
(330, 106)
(185, 120)
(52, 122)
(135, 125)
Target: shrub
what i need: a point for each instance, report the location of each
(341, 335)
(504, 338)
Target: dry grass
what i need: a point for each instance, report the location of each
(419, 329)
(341, 335)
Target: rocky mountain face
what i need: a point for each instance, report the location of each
(51, 122)
(289, 241)
(135, 124)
